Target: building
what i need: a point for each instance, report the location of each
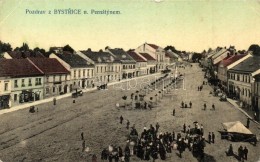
(256, 95)
(81, 72)
(5, 87)
(56, 76)
(26, 81)
(151, 63)
(240, 77)
(141, 63)
(222, 70)
(158, 53)
(107, 66)
(128, 64)
(22, 54)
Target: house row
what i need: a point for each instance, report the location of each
(237, 75)
(26, 78)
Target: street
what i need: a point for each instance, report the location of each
(54, 133)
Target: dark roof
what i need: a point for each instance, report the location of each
(136, 57)
(25, 54)
(74, 60)
(100, 56)
(123, 56)
(18, 68)
(249, 65)
(229, 60)
(49, 65)
(148, 57)
(153, 46)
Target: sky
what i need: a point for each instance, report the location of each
(187, 25)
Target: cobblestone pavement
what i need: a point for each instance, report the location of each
(53, 133)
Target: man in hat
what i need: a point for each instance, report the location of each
(190, 104)
(213, 107)
(173, 112)
(213, 137)
(127, 124)
(209, 138)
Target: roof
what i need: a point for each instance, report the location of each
(18, 68)
(101, 56)
(148, 57)
(171, 54)
(236, 127)
(136, 56)
(25, 54)
(123, 56)
(229, 60)
(249, 65)
(74, 60)
(153, 46)
(49, 65)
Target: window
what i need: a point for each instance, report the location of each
(47, 90)
(40, 81)
(53, 78)
(23, 83)
(248, 79)
(6, 86)
(47, 79)
(74, 74)
(15, 83)
(238, 77)
(79, 73)
(60, 78)
(53, 89)
(65, 77)
(133, 66)
(101, 69)
(15, 97)
(30, 82)
(88, 73)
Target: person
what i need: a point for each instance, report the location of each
(201, 130)
(83, 146)
(190, 104)
(184, 128)
(157, 126)
(173, 112)
(209, 138)
(104, 154)
(213, 107)
(82, 136)
(245, 153)
(127, 124)
(240, 153)
(173, 135)
(248, 122)
(213, 137)
(121, 119)
(188, 130)
(205, 106)
(182, 104)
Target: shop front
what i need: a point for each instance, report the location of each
(4, 101)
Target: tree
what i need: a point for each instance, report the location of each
(255, 49)
(209, 50)
(172, 48)
(5, 47)
(24, 47)
(68, 48)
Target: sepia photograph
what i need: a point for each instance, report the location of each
(129, 80)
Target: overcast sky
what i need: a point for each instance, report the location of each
(187, 25)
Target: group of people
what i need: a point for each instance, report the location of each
(185, 105)
(242, 152)
(205, 106)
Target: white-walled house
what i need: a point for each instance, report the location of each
(26, 80)
(81, 72)
(56, 80)
(107, 67)
(128, 64)
(141, 63)
(157, 52)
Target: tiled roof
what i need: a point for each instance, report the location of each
(18, 68)
(249, 65)
(74, 60)
(148, 57)
(123, 56)
(135, 56)
(229, 60)
(101, 56)
(153, 46)
(49, 65)
(25, 54)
